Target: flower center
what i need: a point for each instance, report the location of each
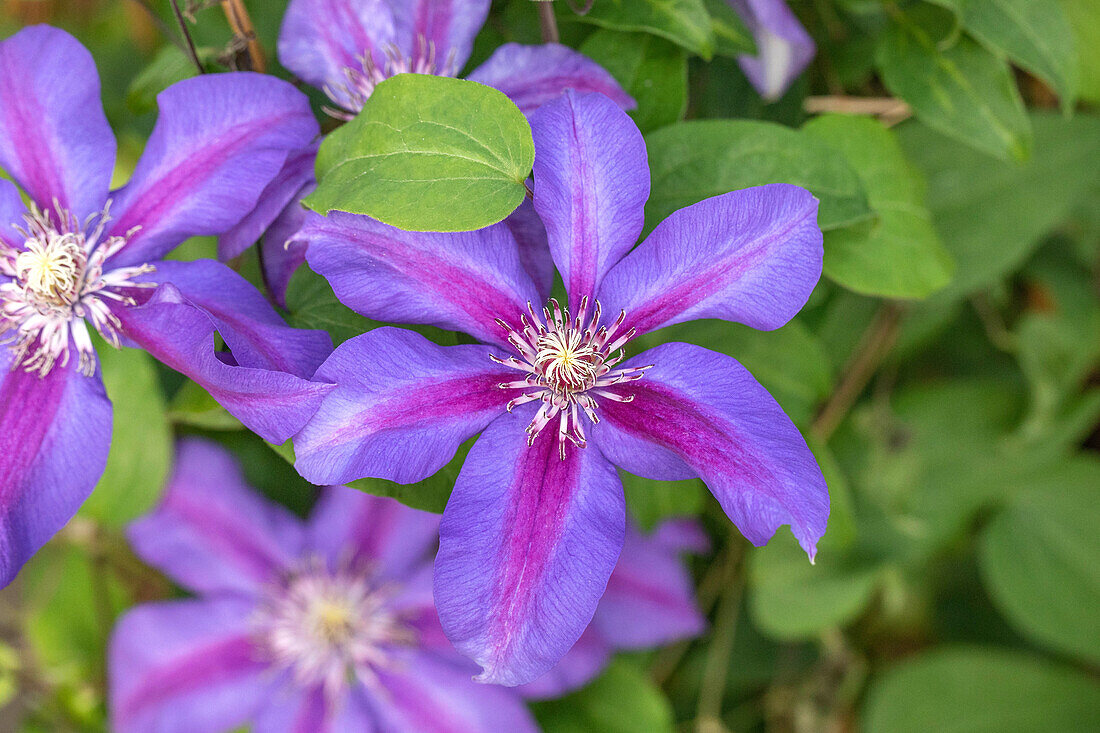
(568, 362)
(359, 82)
(325, 626)
(57, 285)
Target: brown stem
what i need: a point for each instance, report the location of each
(191, 52)
(548, 24)
(873, 347)
(891, 111)
(241, 23)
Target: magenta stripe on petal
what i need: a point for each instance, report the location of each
(527, 544)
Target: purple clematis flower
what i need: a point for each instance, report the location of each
(79, 258)
(783, 47)
(330, 625)
(536, 520)
(348, 47)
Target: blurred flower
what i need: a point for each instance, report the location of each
(536, 520)
(329, 625)
(80, 258)
(347, 47)
(783, 47)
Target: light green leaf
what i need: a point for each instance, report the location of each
(691, 161)
(1084, 21)
(991, 214)
(975, 690)
(1040, 559)
(731, 36)
(1034, 34)
(964, 90)
(651, 69)
(192, 405)
(428, 153)
(898, 254)
(621, 700)
(684, 22)
(169, 66)
(141, 439)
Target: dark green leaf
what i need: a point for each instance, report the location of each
(428, 153)
(193, 406)
(691, 161)
(312, 305)
(731, 36)
(169, 66)
(621, 700)
(684, 22)
(651, 502)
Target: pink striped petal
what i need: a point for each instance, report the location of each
(292, 709)
(751, 256)
(401, 407)
(54, 137)
(527, 544)
(591, 185)
(698, 412)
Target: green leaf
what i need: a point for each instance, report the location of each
(193, 406)
(1035, 34)
(684, 22)
(428, 153)
(141, 439)
(1084, 21)
(963, 91)
(975, 690)
(651, 69)
(312, 305)
(991, 214)
(621, 700)
(651, 502)
(691, 161)
(898, 254)
(731, 36)
(169, 66)
(1040, 559)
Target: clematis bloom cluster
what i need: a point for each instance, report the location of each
(536, 520)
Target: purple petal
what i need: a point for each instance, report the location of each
(55, 432)
(751, 256)
(212, 533)
(527, 544)
(448, 25)
(784, 48)
(591, 185)
(321, 38)
(286, 190)
(682, 535)
(185, 667)
(348, 524)
(534, 250)
(282, 252)
(534, 75)
(291, 709)
(423, 694)
(219, 141)
(275, 405)
(650, 597)
(11, 214)
(457, 281)
(258, 337)
(54, 137)
(401, 407)
(697, 412)
(578, 667)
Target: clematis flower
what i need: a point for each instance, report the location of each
(329, 625)
(348, 47)
(78, 258)
(783, 47)
(536, 520)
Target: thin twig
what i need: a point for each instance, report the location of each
(548, 24)
(187, 37)
(891, 111)
(241, 23)
(873, 347)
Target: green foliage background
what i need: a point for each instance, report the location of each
(946, 371)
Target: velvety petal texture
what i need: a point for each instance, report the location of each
(460, 281)
(751, 256)
(211, 532)
(591, 185)
(400, 409)
(11, 214)
(55, 432)
(275, 405)
(698, 412)
(783, 47)
(185, 667)
(527, 544)
(534, 250)
(219, 142)
(448, 25)
(534, 75)
(581, 664)
(282, 252)
(54, 137)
